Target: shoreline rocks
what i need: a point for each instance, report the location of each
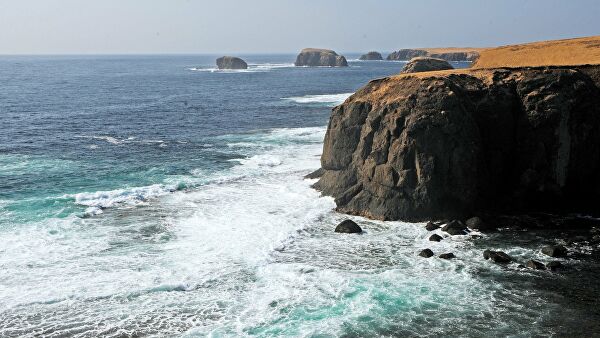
(458, 55)
(555, 251)
(497, 256)
(314, 57)
(425, 64)
(231, 62)
(426, 253)
(371, 56)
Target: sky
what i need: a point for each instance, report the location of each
(282, 26)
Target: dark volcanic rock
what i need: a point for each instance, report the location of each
(423, 64)
(231, 62)
(536, 265)
(371, 56)
(455, 228)
(419, 146)
(497, 256)
(435, 238)
(554, 265)
(447, 255)
(475, 223)
(426, 253)
(555, 251)
(430, 226)
(348, 227)
(314, 57)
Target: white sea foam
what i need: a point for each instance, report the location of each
(328, 99)
(252, 68)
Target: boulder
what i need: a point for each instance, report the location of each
(445, 145)
(231, 62)
(447, 255)
(348, 227)
(435, 238)
(314, 57)
(497, 256)
(554, 265)
(555, 251)
(425, 64)
(475, 223)
(371, 56)
(430, 226)
(426, 253)
(455, 228)
(536, 265)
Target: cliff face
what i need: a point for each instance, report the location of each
(446, 144)
(314, 57)
(448, 55)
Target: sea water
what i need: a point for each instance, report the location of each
(159, 196)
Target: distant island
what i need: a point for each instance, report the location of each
(448, 54)
(315, 57)
(231, 62)
(371, 56)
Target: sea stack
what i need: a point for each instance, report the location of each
(231, 62)
(425, 64)
(314, 57)
(371, 56)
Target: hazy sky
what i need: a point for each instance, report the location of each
(230, 26)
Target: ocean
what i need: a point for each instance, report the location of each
(157, 196)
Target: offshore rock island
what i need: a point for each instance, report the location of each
(315, 57)
(513, 133)
(448, 54)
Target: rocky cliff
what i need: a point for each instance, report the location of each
(448, 144)
(231, 62)
(425, 64)
(448, 55)
(371, 56)
(314, 57)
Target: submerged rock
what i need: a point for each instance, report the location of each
(348, 227)
(555, 251)
(423, 64)
(475, 223)
(450, 145)
(497, 256)
(231, 62)
(435, 238)
(371, 56)
(536, 265)
(447, 255)
(554, 265)
(426, 253)
(314, 57)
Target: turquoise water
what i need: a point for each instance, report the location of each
(156, 196)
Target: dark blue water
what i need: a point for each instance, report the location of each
(156, 196)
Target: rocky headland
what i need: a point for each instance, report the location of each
(448, 54)
(314, 57)
(425, 64)
(371, 56)
(482, 141)
(231, 62)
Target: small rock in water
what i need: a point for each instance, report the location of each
(430, 226)
(555, 251)
(554, 265)
(348, 227)
(475, 223)
(497, 256)
(455, 228)
(536, 265)
(447, 255)
(426, 253)
(435, 238)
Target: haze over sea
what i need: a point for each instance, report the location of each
(155, 195)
